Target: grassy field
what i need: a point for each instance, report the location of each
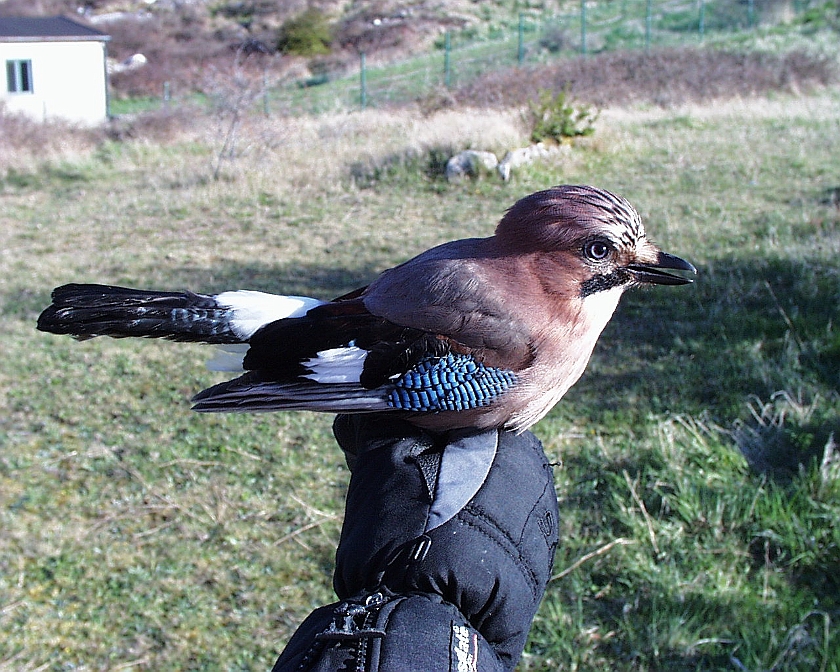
(137, 535)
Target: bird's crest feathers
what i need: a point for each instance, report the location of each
(562, 217)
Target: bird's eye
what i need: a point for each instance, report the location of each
(597, 250)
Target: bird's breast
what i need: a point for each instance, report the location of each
(561, 353)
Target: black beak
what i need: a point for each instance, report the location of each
(653, 273)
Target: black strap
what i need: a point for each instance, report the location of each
(353, 619)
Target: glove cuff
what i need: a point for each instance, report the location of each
(383, 632)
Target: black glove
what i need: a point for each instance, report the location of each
(448, 542)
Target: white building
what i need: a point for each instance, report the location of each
(55, 68)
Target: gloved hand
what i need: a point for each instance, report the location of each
(446, 548)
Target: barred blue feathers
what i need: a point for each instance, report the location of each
(450, 383)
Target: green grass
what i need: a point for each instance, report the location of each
(134, 533)
(120, 106)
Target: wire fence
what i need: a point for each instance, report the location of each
(593, 28)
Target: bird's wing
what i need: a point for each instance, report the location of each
(458, 297)
(332, 337)
(251, 393)
(341, 358)
(433, 334)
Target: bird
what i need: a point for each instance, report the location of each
(481, 333)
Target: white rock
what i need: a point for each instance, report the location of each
(470, 163)
(516, 158)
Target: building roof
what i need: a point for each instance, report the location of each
(47, 29)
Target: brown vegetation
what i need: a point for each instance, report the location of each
(182, 41)
(662, 77)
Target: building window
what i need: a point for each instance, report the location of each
(19, 76)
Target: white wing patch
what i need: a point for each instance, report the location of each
(228, 357)
(337, 365)
(252, 310)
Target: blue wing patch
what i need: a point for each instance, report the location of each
(450, 383)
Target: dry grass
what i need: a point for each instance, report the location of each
(281, 154)
(26, 144)
(296, 157)
(787, 107)
(373, 141)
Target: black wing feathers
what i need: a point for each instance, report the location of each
(278, 356)
(278, 350)
(393, 358)
(250, 392)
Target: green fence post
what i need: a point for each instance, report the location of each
(583, 27)
(363, 80)
(702, 21)
(520, 54)
(648, 23)
(447, 65)
(265, 92)
(751, 13)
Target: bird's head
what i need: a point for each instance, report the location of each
(589, 240)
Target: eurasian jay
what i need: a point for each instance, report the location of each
(481, 332)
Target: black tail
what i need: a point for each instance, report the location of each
(85, 311)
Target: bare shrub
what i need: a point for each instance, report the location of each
(163, 125)
(25, 143)
(233, 92)
(664, 77)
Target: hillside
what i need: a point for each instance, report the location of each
(187, 43)
(183, 38)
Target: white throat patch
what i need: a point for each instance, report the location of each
(600, 306)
